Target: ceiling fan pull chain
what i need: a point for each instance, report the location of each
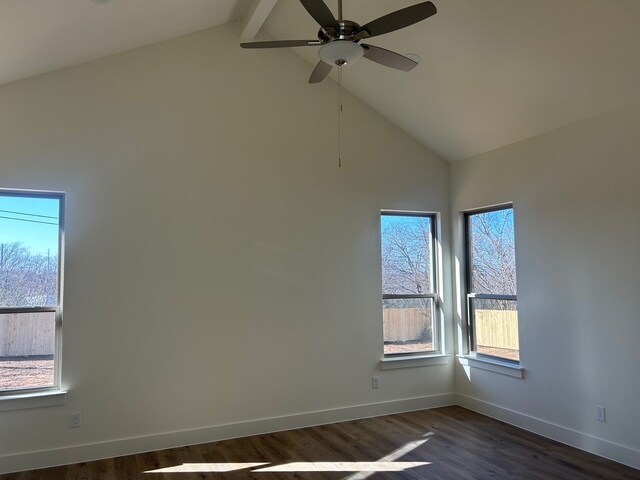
(340, 118)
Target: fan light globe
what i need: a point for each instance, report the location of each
(341, 52)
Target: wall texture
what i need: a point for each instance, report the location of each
(575, 194)
(223, 276)
(220, 267)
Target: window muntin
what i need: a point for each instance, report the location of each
(491, 283)
(408, 283)
(31, 226)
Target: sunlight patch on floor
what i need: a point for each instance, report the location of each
(343, 467)
(207, 467)
(361, 470)
(292, 467)
(396, 454)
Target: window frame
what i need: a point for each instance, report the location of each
(470, 295)
(434, 294)
(56, 309)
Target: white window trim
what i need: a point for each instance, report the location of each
(510, 369)
(473, 358)
(406, 361)
(21, 401)
(425, 358)
(50, 395)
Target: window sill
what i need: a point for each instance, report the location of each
(496, 366)
(21, 401)
(391, 363)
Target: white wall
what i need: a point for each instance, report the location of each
(222, 270)
(220, 267)
(576, 198)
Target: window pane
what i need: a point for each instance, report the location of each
(493, 258)
(496, 327)
(27, 342)
(29, 250)
(408, 325)
(406, 254)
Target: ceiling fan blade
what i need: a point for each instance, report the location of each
(396, 20)
(388, 58)
(320, 13)
(320, 72)
(280, 44)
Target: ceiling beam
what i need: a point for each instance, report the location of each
(255, 16)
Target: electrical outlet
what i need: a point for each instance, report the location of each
(600, 413)
(75, 420)
(375, 382)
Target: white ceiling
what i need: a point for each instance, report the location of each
(493, 72)
(38, 36)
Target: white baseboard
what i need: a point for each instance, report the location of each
(598, 446)
(127, 446)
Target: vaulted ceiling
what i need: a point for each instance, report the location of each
(38, 36)
(493, 71)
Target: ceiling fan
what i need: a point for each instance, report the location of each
(339, 39)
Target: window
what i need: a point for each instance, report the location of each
(491, 283)
(31, 226)
(409, 286)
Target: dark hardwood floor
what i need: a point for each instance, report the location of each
(444, 443)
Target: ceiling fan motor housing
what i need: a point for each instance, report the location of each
(345, 31)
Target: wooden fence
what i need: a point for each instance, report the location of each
(497, 328)
(403, 324)
(27, 334)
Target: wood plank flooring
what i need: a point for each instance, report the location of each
(444, 443)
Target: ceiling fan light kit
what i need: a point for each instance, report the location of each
(339, 39)
(341, 52)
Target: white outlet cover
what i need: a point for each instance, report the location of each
(76, 420)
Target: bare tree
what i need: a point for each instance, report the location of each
(494, 259)
(406, 257)
(27, 279)
(406, 269)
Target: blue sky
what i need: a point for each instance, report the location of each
(404, 220)
(32, 221)
(401, 219)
